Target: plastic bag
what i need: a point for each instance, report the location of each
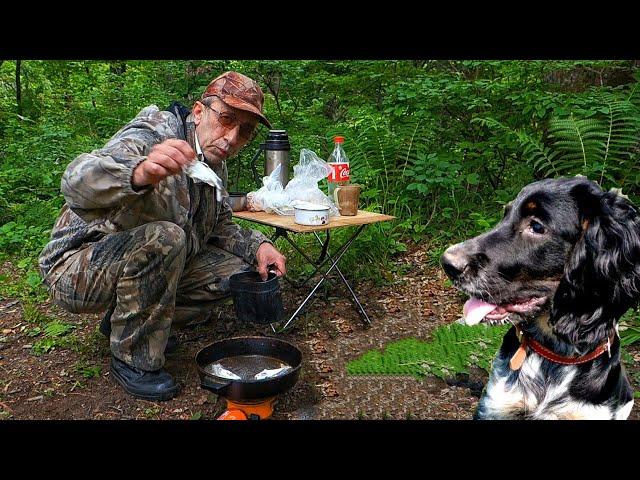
(303, 187)
(271, 197)
(201, 172)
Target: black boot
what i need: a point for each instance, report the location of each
(105, 324)
(155, 386)
(105, 329)
(172, 345)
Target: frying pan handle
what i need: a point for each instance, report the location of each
(211, 384)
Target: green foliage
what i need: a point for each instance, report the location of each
(55, 335)
(441, 145)
(151, 412)
(31, 314)
(27, 286)
(453, 350)
(483, 221)
(57, 329)
(630, 327)
(88, 370)
(601, 143)
(596, 135)
(431, 173)
(50, 332)
(44, 345)
(19, 238)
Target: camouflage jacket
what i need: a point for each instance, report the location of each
(100, 199)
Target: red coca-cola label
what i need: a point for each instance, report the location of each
(339, 172)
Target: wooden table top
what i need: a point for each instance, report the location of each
(287, 221)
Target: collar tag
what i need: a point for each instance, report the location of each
(518, 358)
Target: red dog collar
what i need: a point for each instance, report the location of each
(518, 358)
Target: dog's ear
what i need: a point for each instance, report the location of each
(601, 280)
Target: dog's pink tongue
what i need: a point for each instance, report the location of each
(475, 310)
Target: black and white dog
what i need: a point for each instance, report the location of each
(562, 266)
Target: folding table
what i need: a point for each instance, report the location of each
(286, 224)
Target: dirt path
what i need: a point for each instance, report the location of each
(74, 383)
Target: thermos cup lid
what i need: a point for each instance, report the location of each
(277, 140)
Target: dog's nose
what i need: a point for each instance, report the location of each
(454, 261)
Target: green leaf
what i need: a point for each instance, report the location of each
(24, 263)
(90, 372)
(43, 346)
(196, 416)
(34, 332)
(473, 178)
(33, 279)
(401, 247)
(57, 329)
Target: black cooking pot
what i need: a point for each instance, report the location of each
(254, 300)
(247, 390)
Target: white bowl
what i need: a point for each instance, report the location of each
(311, 214)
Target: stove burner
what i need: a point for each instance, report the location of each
(260, 410)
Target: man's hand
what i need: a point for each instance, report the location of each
(165, 159)
(268, 255)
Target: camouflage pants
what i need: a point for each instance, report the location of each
(142, 277)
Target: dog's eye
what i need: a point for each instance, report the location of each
(537, 227)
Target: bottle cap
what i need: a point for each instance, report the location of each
(338, 139)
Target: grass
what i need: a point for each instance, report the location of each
(151, 412)
(87, 370)
(24, 283)
(55, 335)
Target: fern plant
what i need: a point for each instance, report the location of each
(630, 327)
(600, 141)
(580, 144)
(381, 152)
(453, 350)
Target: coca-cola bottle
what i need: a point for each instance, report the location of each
(339, 164)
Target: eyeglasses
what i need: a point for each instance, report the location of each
(229, 121)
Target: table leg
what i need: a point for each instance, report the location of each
(341, 251)
(353, 294)
(325, 246)
(319, 263)
(283, 233)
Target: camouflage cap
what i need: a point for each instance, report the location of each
(238, 91)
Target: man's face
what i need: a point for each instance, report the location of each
(222, 130)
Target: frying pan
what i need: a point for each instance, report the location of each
(248, 390)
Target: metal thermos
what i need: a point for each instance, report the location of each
(276, 152)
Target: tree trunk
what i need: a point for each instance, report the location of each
(18, 87)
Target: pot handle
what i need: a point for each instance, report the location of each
(210, 384)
